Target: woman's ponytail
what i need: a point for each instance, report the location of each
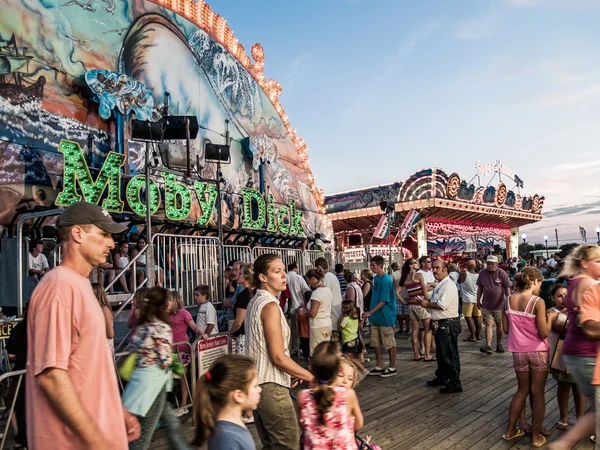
(204, 412)
(323, 397)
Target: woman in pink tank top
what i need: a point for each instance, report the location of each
(582, 268)
(527, 325)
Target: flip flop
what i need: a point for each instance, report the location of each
(418, 359)
(430, 359)
(562, 426)
(519, 434)
(469, 340)
(541, 444)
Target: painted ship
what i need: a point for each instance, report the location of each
(15, 86)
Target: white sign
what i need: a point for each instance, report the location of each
(470, 246)
(497, 167)
(354, 255)
(209, 350)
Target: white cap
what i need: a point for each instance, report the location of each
(492, 259)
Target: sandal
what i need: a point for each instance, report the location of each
(562, 426)
(470, 340)
(433, 358)
(541, 444)
(520, 433)
(544, 432)
(420, 358)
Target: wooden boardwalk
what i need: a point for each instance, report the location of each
(402, 412)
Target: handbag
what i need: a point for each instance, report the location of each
(556, 362)
(128, 367)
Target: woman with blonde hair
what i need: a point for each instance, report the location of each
(582, 269)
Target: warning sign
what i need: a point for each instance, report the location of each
(209, 350)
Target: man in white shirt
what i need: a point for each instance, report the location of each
(38, 263)
(425, 270)
(333, 284)
(298, 287)
(444, 315)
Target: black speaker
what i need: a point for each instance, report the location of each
(146, 130)
(217, 152)
(175, 127)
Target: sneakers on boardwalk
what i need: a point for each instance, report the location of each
(388, 373)
(486, 349)
(451, 390)
(376, 371)
(500, 348)
(437, 382)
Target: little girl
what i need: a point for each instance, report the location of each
(328, 415)
(348, 326)
(228, 389)
(108, 316)
(527, 325)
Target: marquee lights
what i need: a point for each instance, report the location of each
(201, 14)
(437, 230)
(267, 212)
(172, 191)
(206, 205)
(132, 193)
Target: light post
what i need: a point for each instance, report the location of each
(524, 236)
(546, 241)
(597, 235)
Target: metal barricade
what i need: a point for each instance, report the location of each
(3, 377)
(237, 253)
(310, 256)
(185, 262)
(287, 255)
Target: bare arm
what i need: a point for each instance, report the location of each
(591, 330)
(479, 295)
(377, 307)
(424, 287)
(504, 322)
(354, 408)
(366, 289)
(108, 318)
(314, 308)
(196, 328)
(271, 320)
(544, 321)
(240, 315)
(60, 392)
(132, 315)
(350, 294)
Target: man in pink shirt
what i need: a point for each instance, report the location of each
(72, 397)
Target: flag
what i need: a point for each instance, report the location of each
(410, 221)
(383, 228)
(583, 234)
(556, 233)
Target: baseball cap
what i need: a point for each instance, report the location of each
(492, 259)
(85, 213)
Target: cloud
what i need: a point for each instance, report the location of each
(479, 27)
(298, 67)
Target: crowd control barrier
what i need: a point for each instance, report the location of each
(11, 409)
(206, 351)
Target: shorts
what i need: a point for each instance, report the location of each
(582, 369)
(351, 346)
(490, 315)
(418, 312)
(401, 308)
(318, 335)
(526, 361)
(471, 310)
(185, 358)
(382, 337)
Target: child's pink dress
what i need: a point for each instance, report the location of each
(338, 431)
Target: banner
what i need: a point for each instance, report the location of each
(583, 234)
(410, 221)
(383, 228)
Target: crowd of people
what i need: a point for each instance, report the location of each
(273, 313)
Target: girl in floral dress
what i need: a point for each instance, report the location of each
(329, 415)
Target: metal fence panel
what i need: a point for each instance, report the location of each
(310, 256)
(287, 255)
(237, 253)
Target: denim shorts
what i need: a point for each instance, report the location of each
(582, 369)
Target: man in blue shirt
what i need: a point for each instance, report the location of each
(383, 318)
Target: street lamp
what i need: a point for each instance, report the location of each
(598, 235)
(524, 236)
(546, 241)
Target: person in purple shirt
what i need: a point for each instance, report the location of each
(493, 287)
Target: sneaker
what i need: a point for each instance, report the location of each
(451, 390)
(500, 348)
(486, 349)
(375, 371)
(182, 412)
(389, 373)
(437, 382)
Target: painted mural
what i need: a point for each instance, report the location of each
(62, 62)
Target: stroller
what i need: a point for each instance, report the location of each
(361, 444)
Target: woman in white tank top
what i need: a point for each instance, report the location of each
(267, 342)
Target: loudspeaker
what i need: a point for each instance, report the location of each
(217, 152)
(146, 130)
(175, 127)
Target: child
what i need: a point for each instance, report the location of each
(228, 389)
(348, 325)
(304, 328)
(100, 294)
(207, 314)
(328, 415)
(527, 325)
(181, 320)
(347, 376)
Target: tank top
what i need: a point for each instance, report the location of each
(256, 343)
(469, 288)
(523, 334)
(367, 298)
(414, 290)
(576, 344)
(337, 432)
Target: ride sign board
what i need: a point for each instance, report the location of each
(209, 350)
(6, 329)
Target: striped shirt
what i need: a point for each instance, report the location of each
(256, 343)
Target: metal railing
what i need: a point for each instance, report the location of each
(3, 377)
(237, 253)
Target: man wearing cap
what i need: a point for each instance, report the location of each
(72, 397)
(493, 286)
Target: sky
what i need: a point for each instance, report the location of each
(380, 89)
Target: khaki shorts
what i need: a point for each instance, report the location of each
(492, 315)
(471, 310)
(317, 336)
(382, 337)
(275, 418)
(418, 312)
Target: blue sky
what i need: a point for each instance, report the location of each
(382, 88)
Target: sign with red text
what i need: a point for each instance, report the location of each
(209, 350)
